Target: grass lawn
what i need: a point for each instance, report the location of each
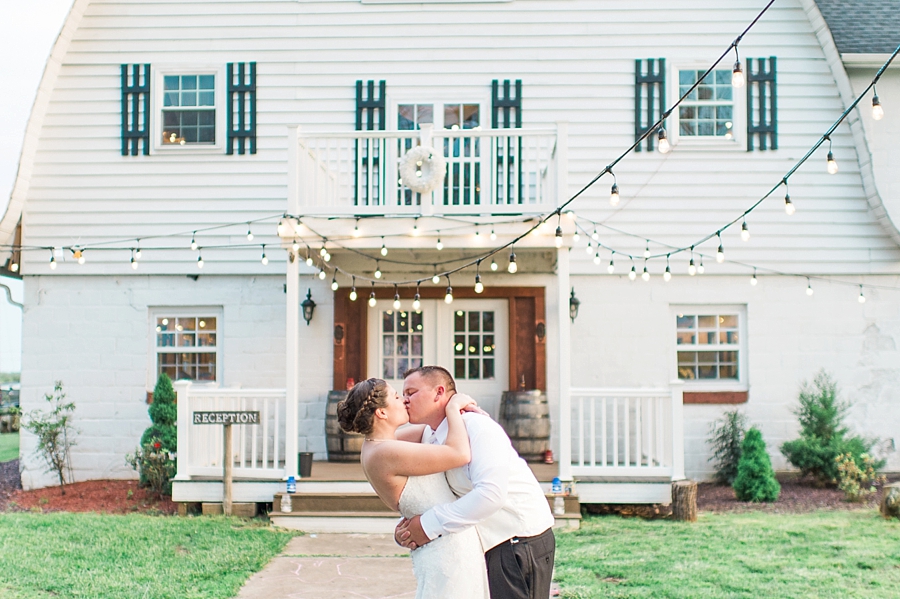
(135, 556)
(824, 554)
(9, 447)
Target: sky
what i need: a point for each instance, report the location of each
(28, 30)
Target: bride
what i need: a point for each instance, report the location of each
(409, 477)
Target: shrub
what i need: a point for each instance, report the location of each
(755, 479)
(156, 465)
(55, 433)
(163, 433)
(857, 482)
(823, 436)
(726, 436)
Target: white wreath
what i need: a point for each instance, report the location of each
(422, 169)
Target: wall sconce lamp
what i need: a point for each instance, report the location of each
(309, 306)
(574, 303)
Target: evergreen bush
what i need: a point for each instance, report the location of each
(755, 479)
(823, 436)
(162, 435)
(726, 436)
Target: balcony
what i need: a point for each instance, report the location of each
(488, 172)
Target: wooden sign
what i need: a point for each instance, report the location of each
(226, 417)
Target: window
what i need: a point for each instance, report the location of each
(710, 346)
(473, 345)
(190, 108)
(401, 342)
(712, 113)
(186, 347)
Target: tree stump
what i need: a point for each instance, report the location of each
(890, 501)
(684, 500)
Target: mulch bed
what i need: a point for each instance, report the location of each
(104, 496)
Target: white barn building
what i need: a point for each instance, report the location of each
(160, 127)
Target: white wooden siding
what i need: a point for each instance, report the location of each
(576, 61)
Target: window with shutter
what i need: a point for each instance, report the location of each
(649, 97)
(241, 107)
(370, 116)
(506, 113)
(762, 105)
(135, 109)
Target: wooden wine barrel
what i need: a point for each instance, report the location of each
(525, 416)
(341, 446)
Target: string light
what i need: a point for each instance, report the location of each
(479, 286)
(322, 273)
(439, 245)
(663, 146)
(296, 247)
(334, 283)
(646, 274)
(513, 267)
(612, 265)
(264, 259)
(720, 253)
(861, 298)
(327, 257)
(396, 298)
(353, 294)
(323, 252)
(692, 270)
(877, 110)
(384, 249)
(737, 73)
(614, 192)
(309, 260)
(576, 237)
(700, 268)
(667, 276)
(594, 235)
(138, 253)
(745, 232)
(199, 260)
(493, 235)
(372, 300)
(377, 270)
(436, 279)
(494, 266)
(448, 297)
(789, 207)
(647, 250)
(134, 263)
(831, 163)
(14, 266)
(590, 249)
(417, 303)
(477, 236)
(809, 289)
(356, 231)
(194, 241)
(753, 280)
(597, 258)
(249, 233)
(52, 261)
(632, 274)
(559, 239)
(78, 254)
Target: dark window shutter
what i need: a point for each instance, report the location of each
(762, 104)
(241, 107)
(506, 113)
(649, 97)
(370, 116)
(135, 109)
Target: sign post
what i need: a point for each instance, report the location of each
(226, 419)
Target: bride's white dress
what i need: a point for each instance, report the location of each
(449, 567)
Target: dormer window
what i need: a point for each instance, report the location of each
(189, 109)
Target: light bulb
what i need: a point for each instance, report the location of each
(633, 274)
(664, 146)
(745, 232)
(265, 260)
(134, 264)
(383, 250)
(327, 257)
(559, 240)
(493, 235)
(377, 272)
(692, 270)
(477, 236)
(595, 236)
(249, 233)
(396, 303)
(753, 280)
(415, 230)
(570, 214)
(877, 110)
(52, 263)
(323, 252)
(417, 304)
(737, 75)
(138, 253)
(353, 295)
(788, 206)
(435, 279)
(700, 269)
(612, 267)
(513, 267)
(720, 254)
(494, 266)
(309, 261)
(576, 237)
(667, 276)
(356, 231)
(193, 241)
(448, 298)
(14, 267)
(589, 249)
(79, 256)
(296, 246)
(199, 261)
(479, 286)
(646, 274)
(322, 275)
(334, 285)
(861, 298)
(647, 251)
(439, 245)
(597, 258)
(614, 195)
(809, 289)
(372, 300)
(832, 164)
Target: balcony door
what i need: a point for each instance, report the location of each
(468, 337)
(465, 155)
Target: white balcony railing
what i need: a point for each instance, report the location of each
(493, 171)
(258, 450)
(627, 433)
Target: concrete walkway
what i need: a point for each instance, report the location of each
(335, 566)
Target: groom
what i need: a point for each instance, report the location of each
(498, 494)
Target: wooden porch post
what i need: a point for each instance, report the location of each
(564, 373)
(677, 430)
(292, 321)
(183, 405)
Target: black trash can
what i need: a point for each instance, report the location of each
(304, 459)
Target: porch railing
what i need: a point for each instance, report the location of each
(628, 433)
(491, 171)
(258, 450)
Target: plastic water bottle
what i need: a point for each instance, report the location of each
(559, 505)
(286, 503)
(556, 486)
(291, 485)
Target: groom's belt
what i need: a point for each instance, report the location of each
(544, 537)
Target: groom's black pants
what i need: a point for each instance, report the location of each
(521, 568)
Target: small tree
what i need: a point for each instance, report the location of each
(55, 433)
(755, 479)
(823, 436)
(162, 435)
(726, 436)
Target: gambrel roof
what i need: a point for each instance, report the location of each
(862, 26)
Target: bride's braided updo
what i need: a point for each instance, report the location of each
(356, 414)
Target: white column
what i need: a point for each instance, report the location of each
(183, 404)
(564, 372)
(562, 162)
(426, 130)
(677, 430)
(292, 320)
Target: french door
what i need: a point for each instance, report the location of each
(470, 338)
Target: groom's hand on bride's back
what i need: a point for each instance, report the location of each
(409, 533)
